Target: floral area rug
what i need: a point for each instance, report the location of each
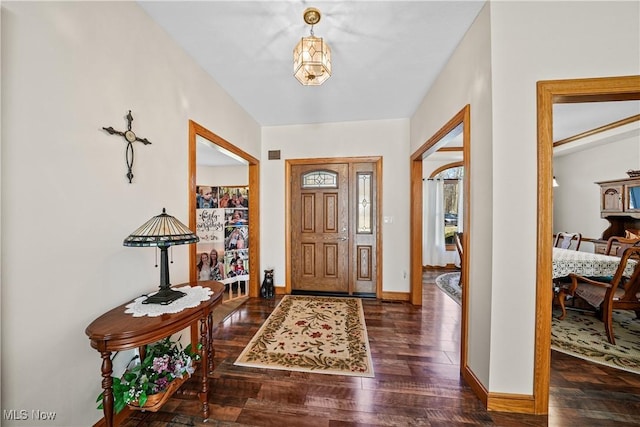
(312, 334)
(449, 283)
(582, 335)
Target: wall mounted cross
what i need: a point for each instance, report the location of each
(130, 137)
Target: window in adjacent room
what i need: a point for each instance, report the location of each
(452, 175)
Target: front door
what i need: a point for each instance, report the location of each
(334, 227)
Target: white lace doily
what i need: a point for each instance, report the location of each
(194, 296)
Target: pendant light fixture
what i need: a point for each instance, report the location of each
(312, 55)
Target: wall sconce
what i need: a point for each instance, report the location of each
(312, 55)
(162, 231)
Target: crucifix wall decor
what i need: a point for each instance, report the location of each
(130, 137)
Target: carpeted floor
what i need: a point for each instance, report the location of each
(312, 334)
(449, 283)
(582, 335)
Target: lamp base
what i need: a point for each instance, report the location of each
(164, 296)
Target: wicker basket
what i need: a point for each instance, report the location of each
(155, 401)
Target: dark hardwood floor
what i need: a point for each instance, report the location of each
(417, 382)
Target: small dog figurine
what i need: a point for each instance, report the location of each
(267, 290)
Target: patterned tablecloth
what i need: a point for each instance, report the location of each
(588, 264)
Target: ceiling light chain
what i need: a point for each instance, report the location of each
(312, 55)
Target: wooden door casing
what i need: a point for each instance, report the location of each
(350, 213)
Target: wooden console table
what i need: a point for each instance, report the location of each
(116, 330)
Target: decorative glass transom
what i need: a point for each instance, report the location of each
(320, 179)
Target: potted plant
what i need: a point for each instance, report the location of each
(147, 384)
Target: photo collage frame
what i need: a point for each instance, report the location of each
(222, 224)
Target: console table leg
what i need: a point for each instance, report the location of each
(107, 387)
(206, 344)
(210, 341)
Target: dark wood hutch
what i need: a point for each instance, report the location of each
(620, 205)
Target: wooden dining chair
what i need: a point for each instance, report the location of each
(617, 244)
(618, 294)
(568, 240)
(565, 241)
(457, 238)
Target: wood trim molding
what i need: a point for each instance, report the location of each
(416, 203)
(332, 160)
(505, 402)
(438, 267)
(379, 196)
(598, 130)
(466, 185)
(254, 201)
(396, 296)
(550, 92)
(254, 230)
(478, 388)
(415, 231)
(287, 227)
(445, 167)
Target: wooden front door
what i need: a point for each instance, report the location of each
(333, 224)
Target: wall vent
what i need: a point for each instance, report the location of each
(274, 154)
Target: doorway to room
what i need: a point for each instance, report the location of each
(461, 119)
(252, 222)
(551, 92)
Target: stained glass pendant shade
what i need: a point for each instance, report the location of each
(312, 55)
(162, 231)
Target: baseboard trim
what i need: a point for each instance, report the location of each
(499, 402)
(440, 267)
(475, 384)
(386, 296)
(396, 296)
(508, 402)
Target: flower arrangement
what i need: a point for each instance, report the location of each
(164, 362)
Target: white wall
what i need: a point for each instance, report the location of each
(68, 69)
(466, 79)
(386, 138)
(232, 176)
(576, 201)
(533, 41)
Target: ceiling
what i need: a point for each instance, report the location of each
(385, 55)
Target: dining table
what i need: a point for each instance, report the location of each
(588, 264)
